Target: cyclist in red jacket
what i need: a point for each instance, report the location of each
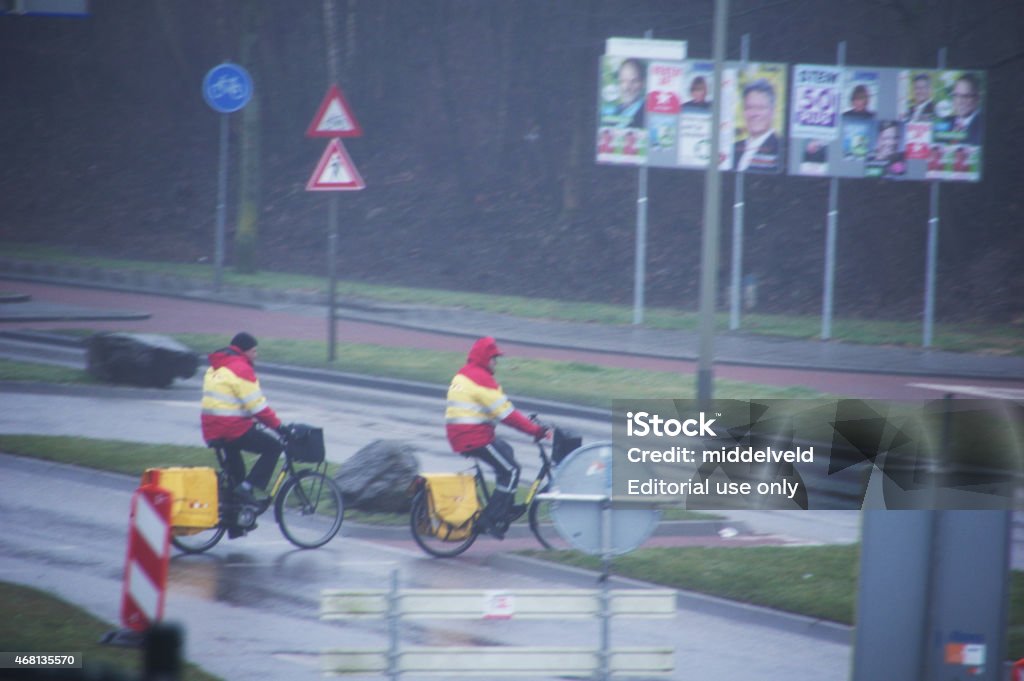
(475, 405)
(233, 405)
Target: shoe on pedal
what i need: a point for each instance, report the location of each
(516, 512)
(498, 529)
(243, 492)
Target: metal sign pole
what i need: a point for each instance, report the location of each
(332, 210)
(709, 251)
(641, 247)
(606, 573)
(226, 88)
(737, 221)
(332, 276)
(831, 229)
(222, 194)
(933, 248)
(394, 614)
(639, 269)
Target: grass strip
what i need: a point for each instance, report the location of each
(817, 581)
(35, 621)
(814, 581)
(572, 382)
(974, 337)
(11, 370)
(116, 456)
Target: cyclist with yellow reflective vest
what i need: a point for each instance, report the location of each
(233, 405)
(476, 403)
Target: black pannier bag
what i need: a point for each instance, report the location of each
(306, 444)
(564, 442)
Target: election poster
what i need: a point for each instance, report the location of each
(695, 119)
(959, 122)
(815, 107)
(814, 115)
(621, 135)
(621, 145)
(760, 117)
(664, 105)
(894, 124)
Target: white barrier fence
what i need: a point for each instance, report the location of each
(408, 604)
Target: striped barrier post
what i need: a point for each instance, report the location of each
(145, 569)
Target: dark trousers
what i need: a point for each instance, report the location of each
(258, 441)
(499, 456)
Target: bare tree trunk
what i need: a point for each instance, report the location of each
(249, 191)
(582, 139)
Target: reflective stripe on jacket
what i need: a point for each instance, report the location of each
(232, 398)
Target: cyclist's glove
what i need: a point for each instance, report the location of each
(542, 434)
(284, 431)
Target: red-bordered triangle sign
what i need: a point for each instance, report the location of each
(335, 172)
(334, 118)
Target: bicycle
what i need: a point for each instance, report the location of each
(307, 503)
(440, 538)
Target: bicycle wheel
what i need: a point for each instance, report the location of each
(424, 531)
(542, 526)
(309, 509)
(203, 540)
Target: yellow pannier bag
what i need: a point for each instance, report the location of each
(193, 493)
(453, 504)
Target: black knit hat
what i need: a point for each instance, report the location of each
(244, 341)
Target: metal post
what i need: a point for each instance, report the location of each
(394, 613)
(332, 275)
(737, 222)
(222, 204)
(831, 229)
(639, 269)
(709, 250)
(604, 673)
(933, 247)
(332, 210)
(641, 247)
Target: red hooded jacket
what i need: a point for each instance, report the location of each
(476, 402)
(232, 398)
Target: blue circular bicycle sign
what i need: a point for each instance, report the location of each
(227, 87)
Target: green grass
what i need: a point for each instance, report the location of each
(990, 338)
(117, 456)
(34, 621)
(573, 382)
(30, 371)
(815, 581)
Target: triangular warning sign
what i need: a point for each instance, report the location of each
(335, 172)
(334, 118)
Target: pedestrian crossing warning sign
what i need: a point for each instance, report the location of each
(335, 172)
(334, 118)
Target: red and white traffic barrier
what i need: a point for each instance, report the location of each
(145, 569)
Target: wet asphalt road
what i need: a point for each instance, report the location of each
(249, 607)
